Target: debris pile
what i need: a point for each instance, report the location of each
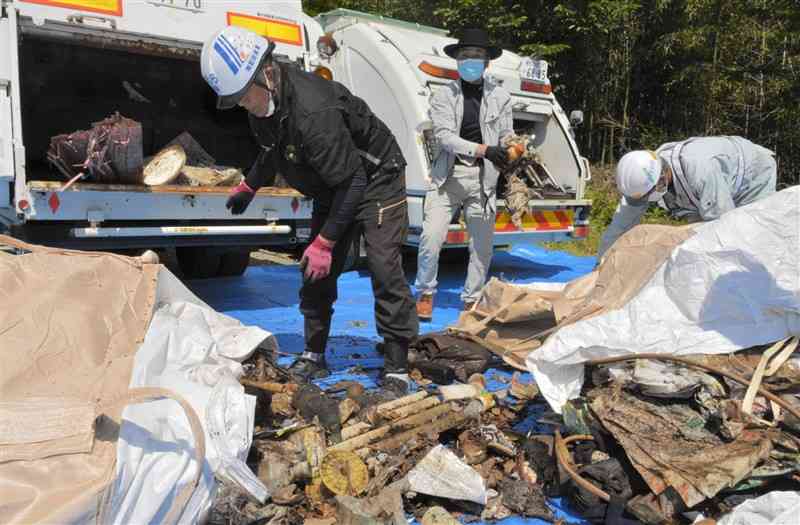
(343, 453)
(111, 152)
(649, 441)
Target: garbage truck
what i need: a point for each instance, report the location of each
(65, 64)
(396, 66)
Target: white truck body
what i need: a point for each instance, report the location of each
(67, 63)
(383, 60)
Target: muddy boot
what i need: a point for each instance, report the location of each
(397, 384)
(425, 307)
(309, 366)
(395, 369)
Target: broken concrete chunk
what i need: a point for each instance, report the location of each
(441, 473)
(385, 509)
(438, 516)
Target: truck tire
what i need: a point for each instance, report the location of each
(233, 263)
(198, 262)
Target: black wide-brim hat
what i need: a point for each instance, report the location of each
(473, 38)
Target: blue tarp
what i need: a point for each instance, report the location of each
(267, 296)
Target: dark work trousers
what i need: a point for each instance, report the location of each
(383, 221)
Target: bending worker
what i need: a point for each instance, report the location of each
(697, 179)
(329, 146)
(471, 116)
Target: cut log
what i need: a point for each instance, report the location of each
(413, 408)
(110, 152)
(354, 430)
(397, 403)
(195, 154)
(365, 439)
(165, 167)
(201, 176)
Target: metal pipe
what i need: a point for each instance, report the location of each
(179, 231)
(564, 459)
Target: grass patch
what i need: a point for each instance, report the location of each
(604, 196)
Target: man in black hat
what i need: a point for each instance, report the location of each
(471, 117)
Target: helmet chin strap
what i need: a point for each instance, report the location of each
(269, 86)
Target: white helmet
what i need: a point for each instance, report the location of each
(638, 173)
(230, 60)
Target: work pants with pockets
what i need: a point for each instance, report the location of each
(383, 222)
(462, 188)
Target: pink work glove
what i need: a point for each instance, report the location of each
(316, 260)
(240, 198)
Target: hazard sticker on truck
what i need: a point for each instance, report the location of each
(106, 7)
(548, 220)
(277, 30)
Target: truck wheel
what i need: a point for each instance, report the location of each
(233, 263)
(198, 262)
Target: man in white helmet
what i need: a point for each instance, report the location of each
(328, 145)
(698, 179)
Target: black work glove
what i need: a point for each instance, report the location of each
(240, 198)
(497, 155)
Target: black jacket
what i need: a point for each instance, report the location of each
(313, 141)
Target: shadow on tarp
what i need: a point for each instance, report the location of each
(267, 296)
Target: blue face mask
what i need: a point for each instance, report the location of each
(471, 69)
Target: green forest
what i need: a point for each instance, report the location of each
(646, 72)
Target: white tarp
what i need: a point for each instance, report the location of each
(774, 508)
(733, 285)
(195, 352)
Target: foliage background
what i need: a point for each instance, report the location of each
(645, 71)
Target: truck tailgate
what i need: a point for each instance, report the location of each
(117, 202)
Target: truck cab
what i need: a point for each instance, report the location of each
(396, 66)
(67, 63)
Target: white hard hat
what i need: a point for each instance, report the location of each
(637, 173)
(230, 60)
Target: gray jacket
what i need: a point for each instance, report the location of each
(447, 112)
(710, 176)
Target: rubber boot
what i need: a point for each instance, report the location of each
(309, 366)
(395, 368)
